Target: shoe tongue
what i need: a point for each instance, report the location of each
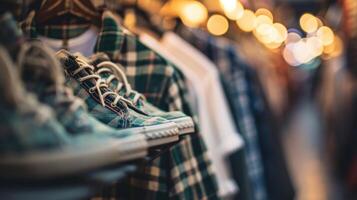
(68, 60)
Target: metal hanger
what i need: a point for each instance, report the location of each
(59, 12)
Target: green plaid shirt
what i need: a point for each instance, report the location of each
(183, 172)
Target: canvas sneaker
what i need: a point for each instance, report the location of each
(33, 144)
(109, 107)
(116, 79)
(42, 74)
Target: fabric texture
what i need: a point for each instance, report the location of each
(184, 171)
(215, 121)
(278, 182)
(233, 72)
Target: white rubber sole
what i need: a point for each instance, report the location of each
(185, 125)
(158, 135)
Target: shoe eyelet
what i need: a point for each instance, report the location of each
(91, 90)
(113, 105)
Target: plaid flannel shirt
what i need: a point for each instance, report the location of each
(233, 73)
(184, 172)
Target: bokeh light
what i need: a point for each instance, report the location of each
(193, 13)
(233, 9)
(266, 33)
(282, 32)
(262, 19)
(247, 22)
(314, 46)
(217, 25)
(265, 12)
(326, 35)
(228, 5)
(334, 49)
(289, 56)
(308, 23)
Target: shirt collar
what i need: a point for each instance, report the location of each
(111, 35)
(110, 38)
(74, 28)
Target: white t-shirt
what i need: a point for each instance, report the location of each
(215, 120)
(84, 43)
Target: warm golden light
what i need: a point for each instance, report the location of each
(289, 57)
(265, 12)
(247, 21)
(308, 23)
(129, 19)
(228, 5)
(282, 32)
(217, 25)
(153, 5)
(262, 19)
(193, 13)
(334, 49)
(328, 49)
(338, 47)
(273, 45)
(314, 46)
(319, 22)
(233, 9)
(266, 33)
(301, 52)
(326, 35)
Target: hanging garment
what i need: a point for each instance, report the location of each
(278, 182)
(242, 83)
(184, 172)
(233, 74)
(214, 117)
(338, 99)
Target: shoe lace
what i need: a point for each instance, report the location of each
(99, 84)
(117, 74)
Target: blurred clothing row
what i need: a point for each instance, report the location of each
(336, 95)
(113, 96)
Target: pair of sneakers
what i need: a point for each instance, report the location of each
(40, 142)
(110, 99)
